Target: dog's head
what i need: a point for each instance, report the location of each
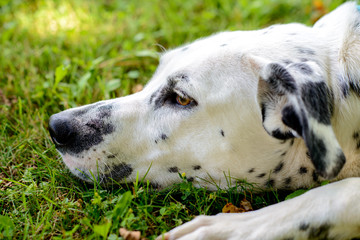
(188, 119)
(219, 106)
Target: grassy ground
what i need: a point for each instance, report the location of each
(60, 54)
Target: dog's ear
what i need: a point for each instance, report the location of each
(295, 101)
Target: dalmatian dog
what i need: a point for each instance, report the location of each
(278, 107)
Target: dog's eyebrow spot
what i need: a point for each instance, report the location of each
(153, 96)
(303, 170)
(261, 175)
(173, 169)
(251, 170)
(197, 167)
(222, 133)
(278, 167)
(173, 79)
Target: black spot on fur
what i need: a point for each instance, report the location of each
(315, 176)
(279, 167)
(317, 99)
(155, 185)
(303, 170)
(287, 180)
(304, 226)
(306, 51)
(153, 96)
(287, 62)
(355, 88)
(104, 111)
(190, 179)
(317, 150)
(292, 142)
(321, 232)
(111, 156)
(291, 119)
(119, 172)
(283, 154)
(303, 68)
(173, 169)
(263, 111)
(345, 89)
(270, 183)
(281, 79)
(356, 135)
(164, 137)
(358, 145)
(156, 141)
(281, 135)
(222, 133)
(251, 170)
(261, 175)
(197, 167)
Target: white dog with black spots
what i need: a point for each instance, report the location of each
(278, 107)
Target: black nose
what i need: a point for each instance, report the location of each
(61, 131)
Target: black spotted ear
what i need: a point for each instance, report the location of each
(296, 102)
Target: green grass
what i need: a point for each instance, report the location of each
(60, 54)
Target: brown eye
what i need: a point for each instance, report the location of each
(183, 101)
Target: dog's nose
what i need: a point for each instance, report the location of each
(61, 131)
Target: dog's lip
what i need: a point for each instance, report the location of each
(71, 162)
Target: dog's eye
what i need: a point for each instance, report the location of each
(183, 101)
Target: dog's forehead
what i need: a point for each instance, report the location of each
(194, 59)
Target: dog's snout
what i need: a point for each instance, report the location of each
(61, 131)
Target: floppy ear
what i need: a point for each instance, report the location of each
(295, 101)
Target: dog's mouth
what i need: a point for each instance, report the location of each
(96, 171)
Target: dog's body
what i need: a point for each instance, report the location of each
(279, 107)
